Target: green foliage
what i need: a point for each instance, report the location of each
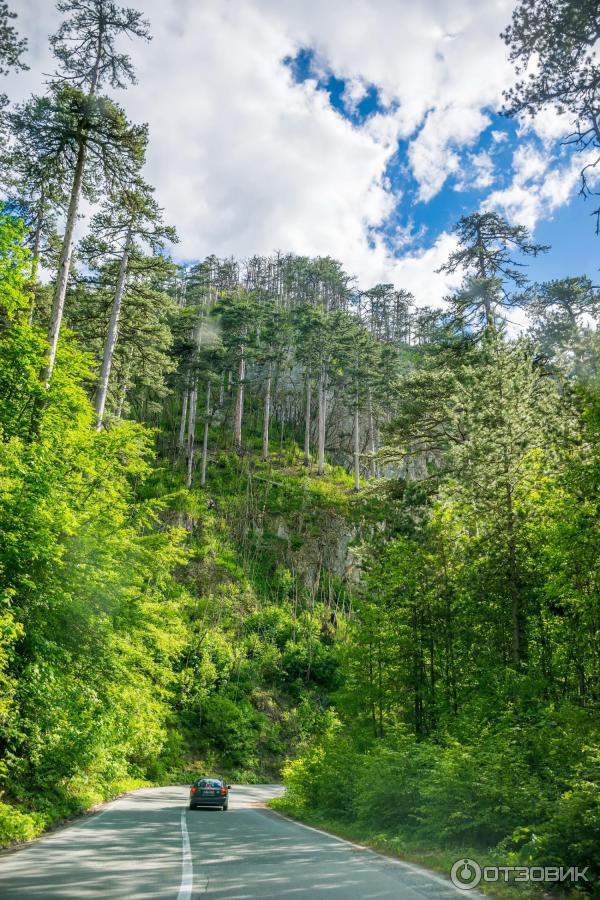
(260, 665)
(552, 45)
(425, 654)
(571, 835)
(18, 826)
(92, 621)
(85, 59)
(473, 792)
(468, 690)
(11, 45)
(232, 728)
(325, 777)
(13, 260)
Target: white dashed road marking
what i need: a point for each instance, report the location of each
(187, 869)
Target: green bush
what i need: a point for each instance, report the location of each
(389, 783)
(478, 792)
(232, 728)
(325, 777)
(571, 834)
(488, 790)
(18, 826)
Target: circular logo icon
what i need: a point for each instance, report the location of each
(465, 874)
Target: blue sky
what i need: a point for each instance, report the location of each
(569, 230)
(575, 244)
(359, 129)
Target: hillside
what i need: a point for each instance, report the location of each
(262, 519)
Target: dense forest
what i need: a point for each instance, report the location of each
(255, 515)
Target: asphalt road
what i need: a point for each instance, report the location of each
(149, 845)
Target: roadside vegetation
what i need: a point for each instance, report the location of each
(257, 519)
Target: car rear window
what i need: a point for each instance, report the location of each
(209, 782)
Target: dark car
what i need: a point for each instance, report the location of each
(209, 792)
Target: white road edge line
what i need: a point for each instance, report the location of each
(417, 870)
(187, 869)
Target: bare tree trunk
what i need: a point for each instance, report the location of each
(191, 435)
(122, 398)
(124, 386)
(321, 423)
(372, 435)
(517, 644)
(205, 439)
(111, 337)
(35, 253)
(183, 420)
(307, 422)
(266, 415)
(96, 70)
(282, 429)
(222, 389)
(239, 404)
(64, 267)
(356, 448)
(489, 314)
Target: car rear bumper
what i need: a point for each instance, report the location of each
(208, 801)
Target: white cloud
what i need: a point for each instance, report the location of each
(246, 161)
(431, 154)
(416, 272)
(541, 184)
(530, 163)
(548, 124)
(405, 236)
(477, 172)
(355, 91)
(483, 169)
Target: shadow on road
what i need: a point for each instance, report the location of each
(133, 850)
(254, 854)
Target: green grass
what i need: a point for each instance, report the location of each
(436, 859)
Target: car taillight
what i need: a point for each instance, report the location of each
(194, 789)
(223, 790)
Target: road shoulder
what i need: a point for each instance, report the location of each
(371, 847)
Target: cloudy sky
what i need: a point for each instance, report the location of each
(361, 129)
